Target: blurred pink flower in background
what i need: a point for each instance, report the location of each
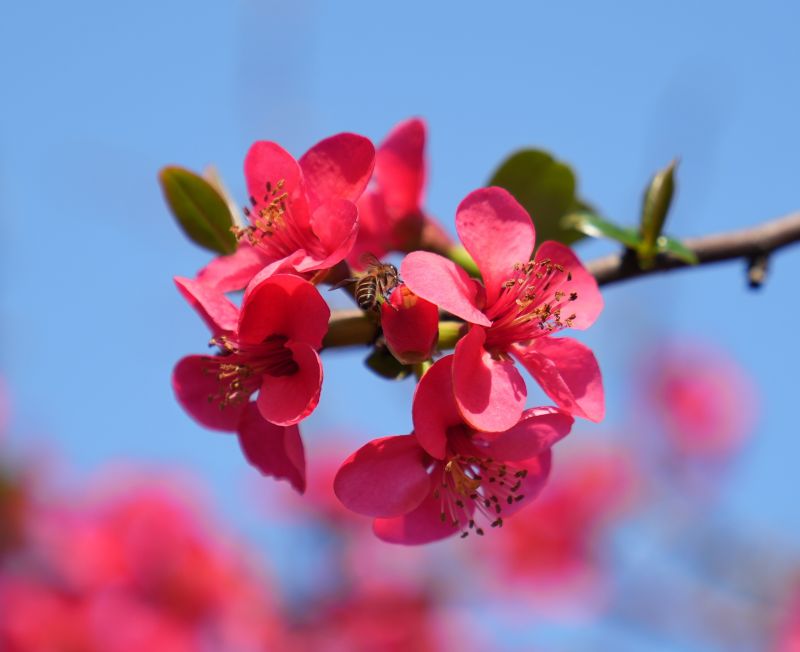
(554, 553)
(136, 568)
(789, 627)
(703, 400)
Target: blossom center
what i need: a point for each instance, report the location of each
(490, 486)
(272, 227)
(533, 302)
(240, 367)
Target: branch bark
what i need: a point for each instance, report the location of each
(754, 244)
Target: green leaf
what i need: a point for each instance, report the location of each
(655, 206)
(676, 248)
(199, 209)
(546, 188)
(596, 227)
(386, 365)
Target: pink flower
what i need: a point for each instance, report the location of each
(704, 401)
(555, 548)
(435, 482)
(391, 216)
(142, 557)
(270, 347)
(303, 215)
(521, 303)
(410, 325)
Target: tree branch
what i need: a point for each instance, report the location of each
(753, 244)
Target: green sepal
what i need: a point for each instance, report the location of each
(386, 365)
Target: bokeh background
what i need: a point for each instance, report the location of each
(97, 96)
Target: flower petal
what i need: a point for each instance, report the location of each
(273, 450)
(386, 477)
(589, 302)
(434, 409)
(286, 400)
(285, 265)
(267, 162)
(423, 525)
(194, 385)
(538, 469)
(374, 230)
(490, 393)
(284, 305)
(338, 167)
(400, 167)
(497, 232)
(568, 373)
(444, 283)
(410, 325)
(212, 305)
(335, 223)
(234, 272)
(537, 430)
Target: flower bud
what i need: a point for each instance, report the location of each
(410, 325)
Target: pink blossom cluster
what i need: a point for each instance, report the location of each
(135, 570)
(141, 568)
(477, 454)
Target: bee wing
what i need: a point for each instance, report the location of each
(369, 260)
(342, 284)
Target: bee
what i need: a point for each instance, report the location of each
(378, 281)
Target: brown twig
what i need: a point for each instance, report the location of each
(752, 244)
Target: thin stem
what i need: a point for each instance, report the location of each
(748, 244)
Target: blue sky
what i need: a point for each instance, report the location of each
(98, 96)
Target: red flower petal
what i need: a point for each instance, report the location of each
(434, 409)
(444, 283)
(589, 302)
(338, 167)
(497, 232)
(490, 393)
(386, 477)
(286, 400)
(410, 325)
(212, 305)
(193, 384)
(537, 430)
(284, 305)
(374, 230)
(285, 265)
(423, 525)
(538, 469)
(400, 167)
(234, 272)
(335, 223)
(568, 373)
(267, 162)
(273, 450)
